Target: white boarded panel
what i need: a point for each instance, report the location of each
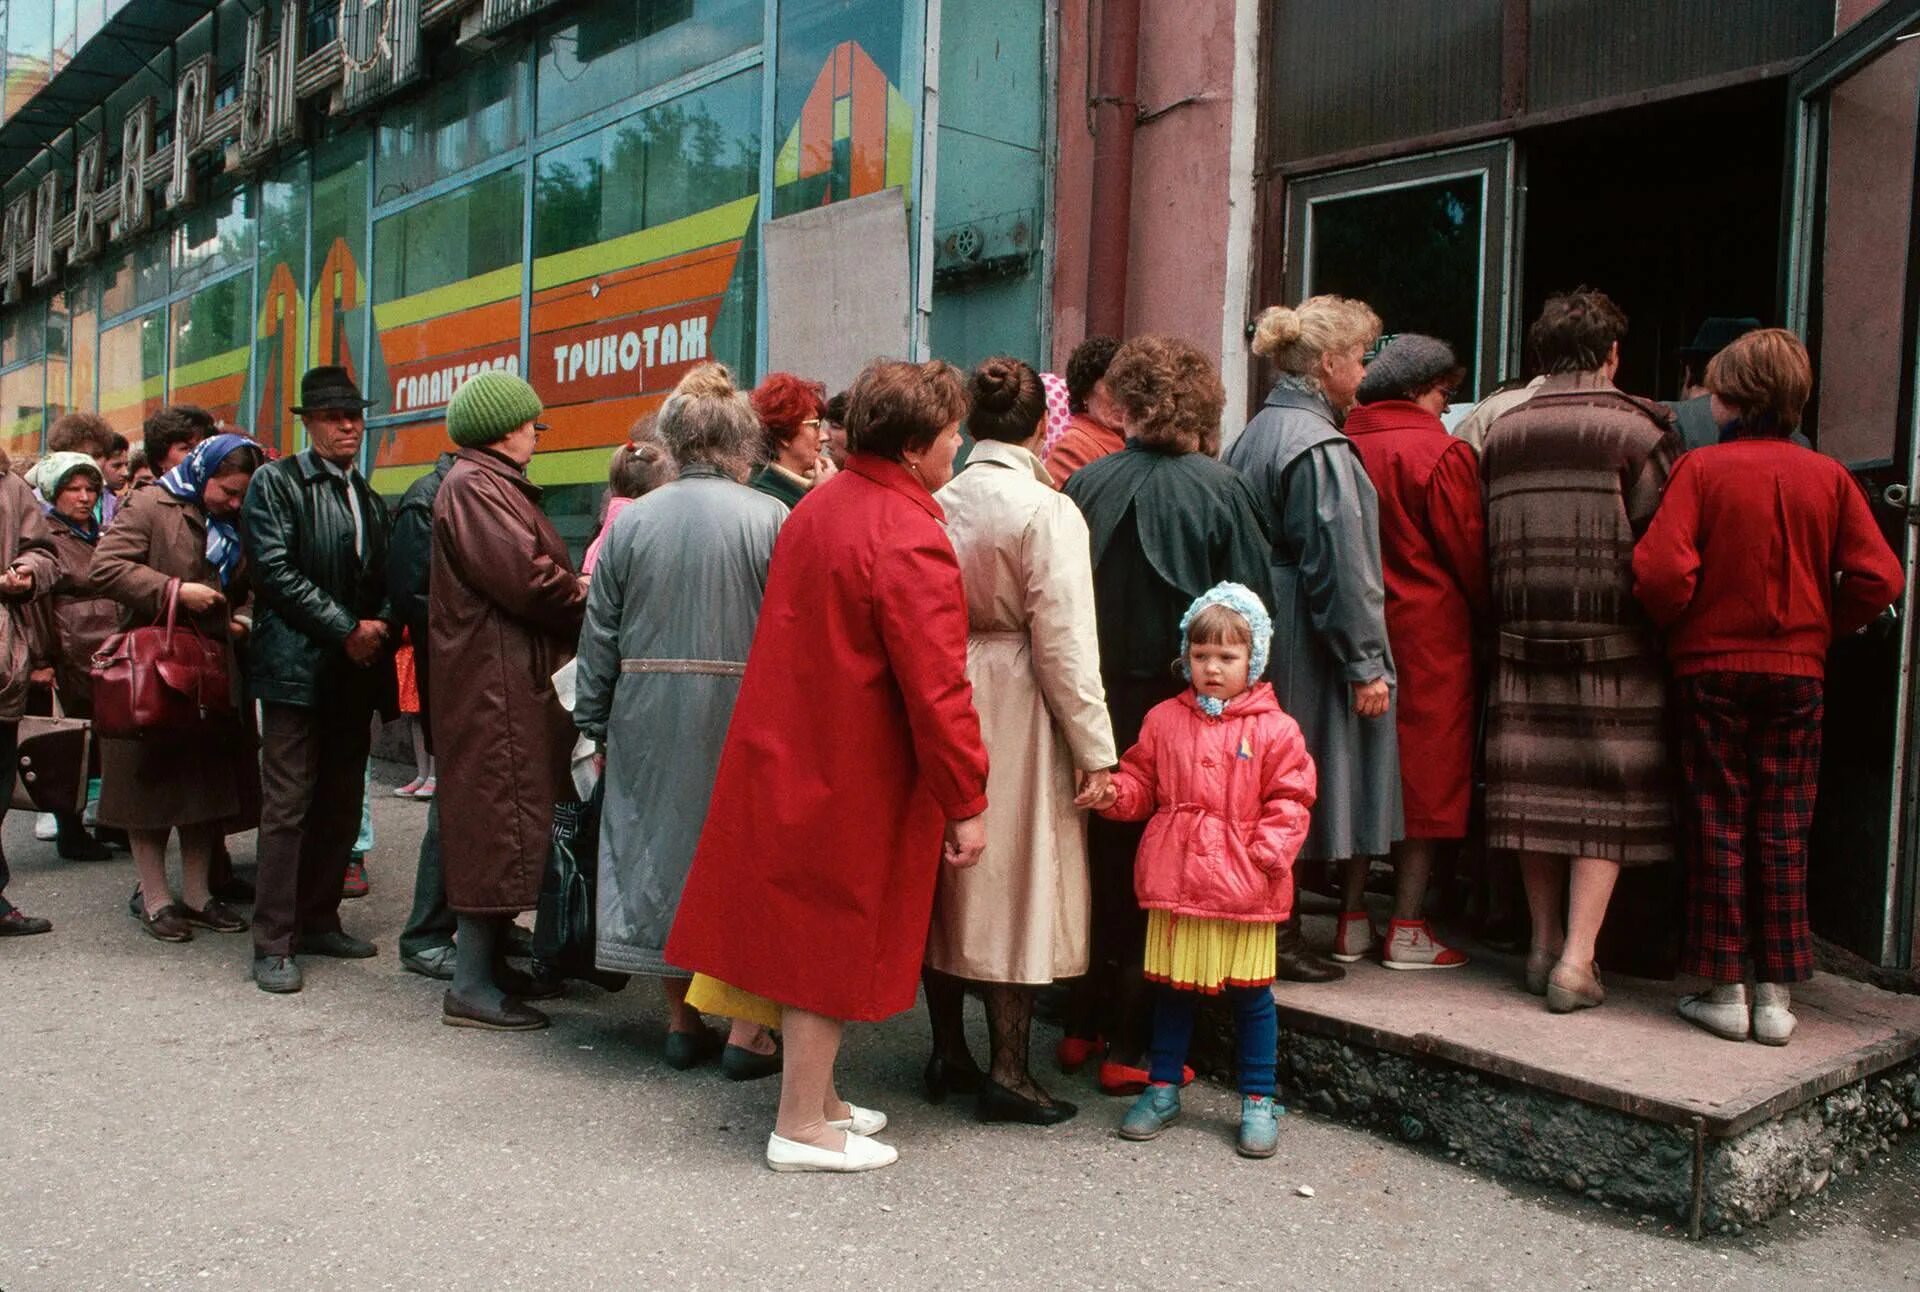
(839, 289)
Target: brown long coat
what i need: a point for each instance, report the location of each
(195, 777)
(72, 621)
(504, 610)
(26, 542)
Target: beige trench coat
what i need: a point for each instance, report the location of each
(1022, 914)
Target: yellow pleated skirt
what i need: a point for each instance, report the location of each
(1194, 953)
(711, 996)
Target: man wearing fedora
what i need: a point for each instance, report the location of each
(316, 535)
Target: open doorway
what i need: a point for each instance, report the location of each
(1672, 209)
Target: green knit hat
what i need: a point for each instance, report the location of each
(488, 407)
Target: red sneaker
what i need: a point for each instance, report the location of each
(1119, 1079)
(1411, 945)
(1353, 941)
(1075, 1052)
(356, 883)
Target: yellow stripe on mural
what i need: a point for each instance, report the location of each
(225, 364)
(899, 142)
(128, 396)
(724, 223)
(483, 289)
(786, 164)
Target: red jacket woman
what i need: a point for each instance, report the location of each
(853, 746)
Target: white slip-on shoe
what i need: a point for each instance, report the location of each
(860, 1154)
(861, 1121)
(1726, 1019)
(1773, 1020)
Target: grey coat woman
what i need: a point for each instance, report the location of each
(1329, 618)
(671, 611)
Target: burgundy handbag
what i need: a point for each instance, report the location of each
(162, 678)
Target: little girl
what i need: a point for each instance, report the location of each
(1228, 783)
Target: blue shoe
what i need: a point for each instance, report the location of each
(1259, 1126)
(1157, 1108)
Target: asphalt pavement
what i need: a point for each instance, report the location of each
(170, 1126)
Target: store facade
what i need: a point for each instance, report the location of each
(421, 190)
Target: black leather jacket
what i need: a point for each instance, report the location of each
(310, 589)
(410, 559)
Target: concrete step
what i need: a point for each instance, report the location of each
(1627, 1103)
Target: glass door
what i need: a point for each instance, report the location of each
(1849, 271)
(1427, 241)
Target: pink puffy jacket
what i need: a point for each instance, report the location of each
(1229, 798)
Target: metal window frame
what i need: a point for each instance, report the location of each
(1803, 230)
(1495, 164)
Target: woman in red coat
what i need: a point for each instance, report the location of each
(1433, 552)
(854, 748)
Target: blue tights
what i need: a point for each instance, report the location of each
(1255, 1024)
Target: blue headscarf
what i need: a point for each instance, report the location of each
(1240, 599)
(189, 481)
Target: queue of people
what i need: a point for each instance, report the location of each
(1075, 713)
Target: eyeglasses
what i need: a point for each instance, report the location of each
(812, 421)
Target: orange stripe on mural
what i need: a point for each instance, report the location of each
(412, 445)
(463, 330)
(652, 286)
(604, 422)
(816, 129)
(842, 68)
(869, 127)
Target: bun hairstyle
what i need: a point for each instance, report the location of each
(1009, 402)
(1294, 339)
(707, 420)
(1170, 392)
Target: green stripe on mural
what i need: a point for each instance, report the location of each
(213, 368)
(484, 289)
(689, 233)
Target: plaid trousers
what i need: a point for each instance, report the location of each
(1750, 753)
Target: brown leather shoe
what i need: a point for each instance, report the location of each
(168, 924)
(512, 1016)
(1294, 962)
(1571, 987)
(216, 915)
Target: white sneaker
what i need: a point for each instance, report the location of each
(1773, 1020)
(860, 1154)
(861, 1121)
(1353, 939)
(1727, 1019)
(45, 828)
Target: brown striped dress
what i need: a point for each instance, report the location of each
(1577, 744)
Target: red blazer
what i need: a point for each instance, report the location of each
(1761, 554)
(1433, 554)
(1230, 799)
(853, 743)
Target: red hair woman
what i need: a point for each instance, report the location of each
(792, 411)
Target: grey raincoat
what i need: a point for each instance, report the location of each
(1329, 615)
(670, 616)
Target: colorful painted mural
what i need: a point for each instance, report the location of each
(854, 136)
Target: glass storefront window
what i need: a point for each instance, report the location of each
(133, 371)
(29, 33)
(135, 278)
(22, 332)
(467, 116)
(84, 338)
(447, 278)
(643, 266)
(843, 118)
(59, 355)
(215, 236)
(212, 340)
(280, 329)
(612, 51)
(22, 411)
(337, 287)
